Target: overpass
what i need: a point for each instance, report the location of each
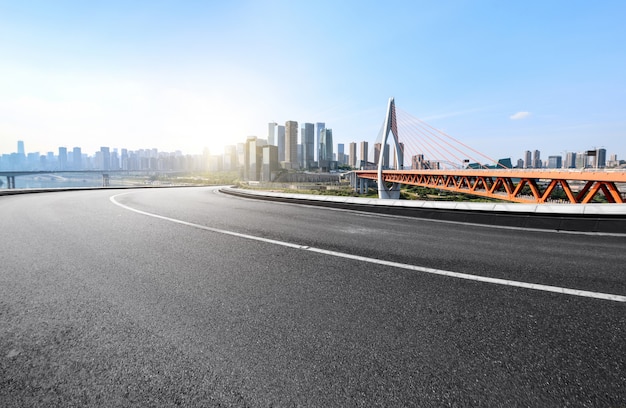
(10, 175)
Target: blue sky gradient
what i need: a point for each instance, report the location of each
(184, 75)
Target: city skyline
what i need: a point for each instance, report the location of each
(184, 76)
(217, 160)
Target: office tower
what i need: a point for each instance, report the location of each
(62, 158)
(581, 160)
(570, 160)
(251, 167)
(291, 144)
(230, 158)
(115, 160)
(326, 146)
(363, 157)
(554, 162)
(600, 158)
(20, 148)
(271, 133)
(528, 159)
(241, 160)
(352, 153)
(537, 159)
(104, 162)
(319, 126)
(341, 156)
(269, 162)
(308, 145)
(77, 158)
(280, 142)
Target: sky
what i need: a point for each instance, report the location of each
(502, 77)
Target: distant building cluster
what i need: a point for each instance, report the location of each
(594, 159)
(103, 159)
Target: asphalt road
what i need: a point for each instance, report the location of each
(189, 297)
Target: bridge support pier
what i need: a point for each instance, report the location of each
(10, 181)
(105, 180)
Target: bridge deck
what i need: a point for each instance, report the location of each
(515, 185)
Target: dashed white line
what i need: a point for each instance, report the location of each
(458, 275)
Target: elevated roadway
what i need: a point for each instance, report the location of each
(515, 185)
(163, 297)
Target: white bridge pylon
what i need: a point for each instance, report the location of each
(391, 126)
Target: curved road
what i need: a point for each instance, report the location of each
(189, 297)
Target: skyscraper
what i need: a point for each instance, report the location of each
(77, 158)
(62, 158)
(570, 160)
(271, 133)
(291, 144)
(554, 162)
(528, 159)
(319, 126)
(20, 148)
(352, 153)
(600, 158)
(341, 156)
(326, 145)
(363, 156)
(308, 145)
(280, 142)
(105, 158)
(537, 160)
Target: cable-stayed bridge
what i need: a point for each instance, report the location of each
(442, 162)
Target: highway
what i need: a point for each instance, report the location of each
(191, 297)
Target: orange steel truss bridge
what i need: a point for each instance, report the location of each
(521, 186)
(499, 181)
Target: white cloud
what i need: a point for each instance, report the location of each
(519, 115)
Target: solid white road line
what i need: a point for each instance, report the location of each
(497, 281)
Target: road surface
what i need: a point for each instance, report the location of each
(189, 297)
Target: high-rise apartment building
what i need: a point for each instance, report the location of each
(570, 160)
(537, 159)
(291, 144)
(377, 148)
(352, 154)
(62, 158)
(308, 145)
(77, 158)
(363, 157)
(528, 163)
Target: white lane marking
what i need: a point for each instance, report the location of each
(458, 275)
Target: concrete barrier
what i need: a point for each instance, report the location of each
(586, 218)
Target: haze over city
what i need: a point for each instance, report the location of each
(503, 78)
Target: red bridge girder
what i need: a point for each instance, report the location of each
(509, 185)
